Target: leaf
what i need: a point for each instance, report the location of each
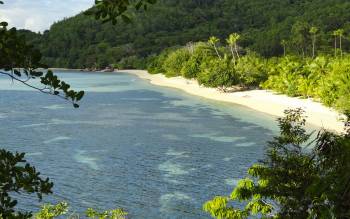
(80, 95)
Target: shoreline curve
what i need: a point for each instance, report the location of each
(260, 100)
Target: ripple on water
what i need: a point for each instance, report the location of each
(218, 138)
(81, 157)
(34, 154)
(231, 182)
(54, 107)
(57, 139)
(170, 200)
(246, 144)
(173, 169)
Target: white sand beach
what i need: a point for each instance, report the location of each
(260, 100)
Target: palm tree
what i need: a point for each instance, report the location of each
(213, 41)
(235, 37)
(284, 44)
(313, 31)
(231, 42)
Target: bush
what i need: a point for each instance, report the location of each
(252, 70)
(217, 73)
(284, 76)
(175, 61)
(334, 88)
(131, 62)
(155, 65)
(191, 68)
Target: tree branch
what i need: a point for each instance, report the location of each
(42, 90)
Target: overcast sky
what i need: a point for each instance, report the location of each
(38, 15)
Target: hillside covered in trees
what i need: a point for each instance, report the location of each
(81, 41)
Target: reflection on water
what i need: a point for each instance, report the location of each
(157, 152)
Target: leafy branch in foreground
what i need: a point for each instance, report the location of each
(19, 61)
(18, 176)
(54, 211)
(294, 180)
(111, 10)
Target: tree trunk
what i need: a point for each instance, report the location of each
(303, 52)
(341, 51)
(284, 50)
(233, 55)
(313, 46)
(335, 46)
(217, 52)
(236, 50)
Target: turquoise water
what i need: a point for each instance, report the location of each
(156, 152)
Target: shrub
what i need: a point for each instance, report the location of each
(217, 73)
(334, 88)
(252, 70)
(284, 76)
(191, 68)
(175, 61)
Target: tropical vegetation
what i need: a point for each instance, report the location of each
(84, 42)
(294, 47)
(302, 176)
(324, 78)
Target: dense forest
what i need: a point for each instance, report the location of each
(82, 41)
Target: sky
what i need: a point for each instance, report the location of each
(39, 15)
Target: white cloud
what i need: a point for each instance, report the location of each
(39, 15)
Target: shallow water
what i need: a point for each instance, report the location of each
(156, 152)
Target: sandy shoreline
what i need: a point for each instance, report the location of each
(260, 100)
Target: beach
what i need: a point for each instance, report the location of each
(260, 100)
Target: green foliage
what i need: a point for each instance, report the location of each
(323, 78)
(110, 11)
(20, 62)
(18, 176)
(111, 214)
(174, 61)
(335, 86)
(294, 180)
(199, 53)
(262, 24)
(251, 70)
(156, 63)
(49, 211)
(217, 72)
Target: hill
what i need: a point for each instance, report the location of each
(81, 41)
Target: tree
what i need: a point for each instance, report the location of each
(213, 41)
(294, 180)
(300, 33)
(284, 44)
(231, 41)
(313, 32)
(235, 37)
